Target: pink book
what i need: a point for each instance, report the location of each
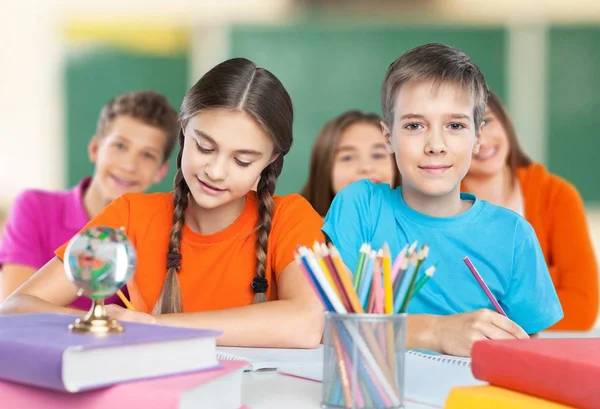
(218, 388)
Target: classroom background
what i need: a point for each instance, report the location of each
(62, 60)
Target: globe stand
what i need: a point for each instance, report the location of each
(96, 321)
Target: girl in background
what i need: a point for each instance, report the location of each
(348, 148)
(503, 174)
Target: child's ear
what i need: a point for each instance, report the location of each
(164, 169)
(93, 148)
(388, 138)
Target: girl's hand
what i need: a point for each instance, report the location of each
(123, 314)
(455, 334)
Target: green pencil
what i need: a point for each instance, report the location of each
(423, 279)
(360, 265)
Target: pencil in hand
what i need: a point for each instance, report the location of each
(483, 286)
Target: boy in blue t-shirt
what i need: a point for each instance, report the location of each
(433, 99)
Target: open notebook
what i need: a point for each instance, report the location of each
(270, 359)
(428, 378)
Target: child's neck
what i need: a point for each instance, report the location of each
(211, 221)
(498, 189)
(448, 205)
(93, 200)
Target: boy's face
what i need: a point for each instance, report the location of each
(129, 158)
(433, 136)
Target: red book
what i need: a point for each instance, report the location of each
(566, 371)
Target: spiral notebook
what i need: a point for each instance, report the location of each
(428, 377)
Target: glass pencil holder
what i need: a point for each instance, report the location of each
(363, 361)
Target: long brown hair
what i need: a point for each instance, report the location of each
(236, 84)
(318, 189)
(516, 157)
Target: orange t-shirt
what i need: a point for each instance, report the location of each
(217, 269)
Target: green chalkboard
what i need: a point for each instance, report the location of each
(329, 69)
(573, 106)
(94, 76)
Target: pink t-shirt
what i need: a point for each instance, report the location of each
(39, 223)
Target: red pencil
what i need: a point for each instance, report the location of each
(483, 286)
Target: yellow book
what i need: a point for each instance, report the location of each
(492, 397)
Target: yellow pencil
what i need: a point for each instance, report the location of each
(127, 303)
(387, 280)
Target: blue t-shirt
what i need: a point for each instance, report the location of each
(501, 244)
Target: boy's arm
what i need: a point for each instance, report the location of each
(49, 289)
(531, 300)
(21, 251)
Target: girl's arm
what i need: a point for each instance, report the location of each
(46, 291)
(295, 320)
(573, 265)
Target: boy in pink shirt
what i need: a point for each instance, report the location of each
(134, 138)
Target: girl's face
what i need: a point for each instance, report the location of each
(494, 147)
(224, 153)
(361, 154)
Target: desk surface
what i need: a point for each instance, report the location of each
(267, 390)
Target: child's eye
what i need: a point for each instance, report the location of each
(346, 158)
(149, 155)
(457, 126)
(119, 145)
(203, 149)
(486, 121)
(242, 163)
(379, 155)
(413, 127)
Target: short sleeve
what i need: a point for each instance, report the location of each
(23, 241)
(348, 221)
(531, 300)
(115, 215)
(295, 223)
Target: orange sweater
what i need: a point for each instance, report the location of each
(556, 212)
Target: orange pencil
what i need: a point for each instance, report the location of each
(345, 280)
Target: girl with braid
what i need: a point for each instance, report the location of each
(213, 253)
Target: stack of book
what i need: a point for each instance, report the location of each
(44, 365)
(533, 373)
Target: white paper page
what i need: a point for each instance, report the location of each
(272, 358)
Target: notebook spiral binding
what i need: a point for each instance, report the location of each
(446, 359)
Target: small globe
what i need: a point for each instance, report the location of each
(100, 261)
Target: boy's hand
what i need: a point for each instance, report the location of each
(123, 314)
(456, 334)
